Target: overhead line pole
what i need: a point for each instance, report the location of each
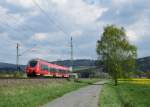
(71, 53)
(57, 25)
(17, 57)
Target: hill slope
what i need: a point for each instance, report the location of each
(142, 63)
(80, 62)
(9, 67)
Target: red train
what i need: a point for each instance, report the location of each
(38, 67)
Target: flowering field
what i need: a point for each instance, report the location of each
(135, 80)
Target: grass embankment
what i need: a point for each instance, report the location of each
(34, 92)
(12, 74)
(129, 93)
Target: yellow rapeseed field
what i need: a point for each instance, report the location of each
(136, 80)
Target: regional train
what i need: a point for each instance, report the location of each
(39, 67)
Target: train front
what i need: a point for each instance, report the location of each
(32, 68)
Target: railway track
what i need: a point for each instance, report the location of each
(7, 82)
(32, 78)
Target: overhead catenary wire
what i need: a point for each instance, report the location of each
(17, 21)
(54, 16)
(16, 30)
(27, 50)
(30, 28)
(12, 29)
(49, 18)
(5, 22)
(58, 22)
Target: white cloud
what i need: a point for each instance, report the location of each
(33, 5)
(79, 11)
(3, 35)
(39, 36)
(10, 18)
(28, 4)
(24, 3)
(132, 36)
(77, 17)
(122, 2)
(58, 2)
(5, 39)
(52, 37)
(76, 33)
(140, 29)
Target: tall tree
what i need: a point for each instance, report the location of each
(116, 53)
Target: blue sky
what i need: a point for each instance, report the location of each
(47, 25)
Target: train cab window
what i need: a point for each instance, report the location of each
(32, 63)
(44, 67)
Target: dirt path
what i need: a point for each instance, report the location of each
(84, 97)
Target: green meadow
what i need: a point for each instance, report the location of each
(128, 93)
(35, 92)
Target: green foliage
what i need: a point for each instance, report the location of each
(125, 95)
(117, 54)
(18, 74)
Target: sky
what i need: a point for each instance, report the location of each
(43, 28)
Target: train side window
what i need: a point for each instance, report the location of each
(50, 69)
(54, 70)
(57, 70)
(44, 67)
(63, 71)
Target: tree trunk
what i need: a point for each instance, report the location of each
(116, 82)
(115, 78)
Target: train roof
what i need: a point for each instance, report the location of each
(53, 65)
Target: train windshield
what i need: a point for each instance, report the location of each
(32, 63)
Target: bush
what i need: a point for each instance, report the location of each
(18, 74)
